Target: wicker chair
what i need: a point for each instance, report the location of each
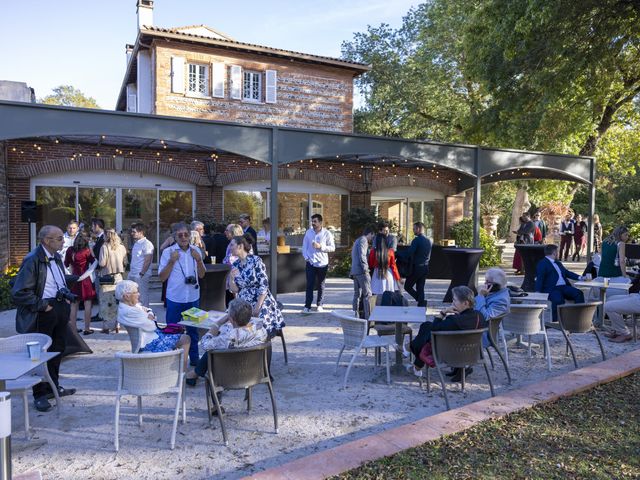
(526, 319)
(492, 335)
(134, 338)
(18, 344)
(151, 374)
(236, 369)
(458, 349)
(355, 338)
(577, 318)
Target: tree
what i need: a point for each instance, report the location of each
(69, 96)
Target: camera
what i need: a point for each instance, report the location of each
(65, 294)
(191, 280)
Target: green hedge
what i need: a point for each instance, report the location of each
(462, 233)
(5, 289)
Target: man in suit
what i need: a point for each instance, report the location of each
(245, 223)
(419, 253)
(39, 293)
(360, 271)
(553, 278)
(97, 228)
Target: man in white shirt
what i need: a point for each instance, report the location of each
(41, 295)
(141, 258)
(181, 265)
(317, 243)
(69, 237)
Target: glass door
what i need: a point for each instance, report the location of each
(96, 202)
(174, 206)
(56, 206)
(140, 206)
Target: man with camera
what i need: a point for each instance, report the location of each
(40, 292)
(181, 265)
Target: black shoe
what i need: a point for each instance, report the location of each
(452, 372)
(62, 392)
(458, 376)
(214, 411)
(42, 404)
(191, 381)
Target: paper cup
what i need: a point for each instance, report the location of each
(605, 282)
(33, 349)
(213, 260)
(588, 277)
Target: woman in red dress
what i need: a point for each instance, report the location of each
(79, 257)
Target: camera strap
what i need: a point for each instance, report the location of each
(195, 269)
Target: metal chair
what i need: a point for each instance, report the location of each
(151, 374)
(355, 335)
(237, 369)
(526, 319)
(280, 334)
(18, 344)
(458, 349)
(577, 318)
(492, 335)
(134, 338)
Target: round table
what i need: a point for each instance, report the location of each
(213, 287)
(463, 263)
(531, 254)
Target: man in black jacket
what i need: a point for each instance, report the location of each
(38, 293)
(245, 223)
(419, 253)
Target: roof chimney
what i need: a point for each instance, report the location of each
(145, 13)
(129, 51)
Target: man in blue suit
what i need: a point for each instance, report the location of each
(553, 278)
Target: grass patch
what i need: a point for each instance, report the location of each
(591, 435)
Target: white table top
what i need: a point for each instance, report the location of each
(601, 285)
(14, 365)
(531, 297)
(207, 323)
(398, 314)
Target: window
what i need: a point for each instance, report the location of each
(252, 86)
(198, 79)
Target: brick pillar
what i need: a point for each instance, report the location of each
(217, 200)
(360, 199)
(20, 234)
(4, 210)
(468, 203)
(438, 220)
(454, 209)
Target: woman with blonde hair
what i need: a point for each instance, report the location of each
(113, 258)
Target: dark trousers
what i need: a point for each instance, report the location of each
(419, 341)
(417, 278)
(561, 293)
(52, 323)
(314, 274)
(174, 315)
(565, 246)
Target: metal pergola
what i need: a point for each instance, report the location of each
(277, 146)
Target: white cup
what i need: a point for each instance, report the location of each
(33, 349)
(605, 281)
(213, 260)
(588, 277)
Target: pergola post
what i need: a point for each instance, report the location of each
(592, 205)
(273, 197)
(476, 198)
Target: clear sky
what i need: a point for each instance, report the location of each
(47, 43)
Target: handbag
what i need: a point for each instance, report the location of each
(108, 279)
(173, 329)
(426, 355)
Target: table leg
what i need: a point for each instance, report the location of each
(399, 340)
(603, 298)
(3, 385)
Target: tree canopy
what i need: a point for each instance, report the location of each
(69, 96)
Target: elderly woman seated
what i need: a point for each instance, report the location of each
(235, 330)
(493, 298)
(132, 314)
(460, 316)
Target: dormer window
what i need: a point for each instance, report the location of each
(198, 83)
(252, 86)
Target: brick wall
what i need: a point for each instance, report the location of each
(308, 96)
(4, 210)
(454, 210)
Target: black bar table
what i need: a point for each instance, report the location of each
(463, 263)
(531, 254)
(213, 287)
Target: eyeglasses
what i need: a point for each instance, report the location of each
(55, 238)
(183, 235)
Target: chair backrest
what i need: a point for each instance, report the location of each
(354, 329)
(494, 326)
(577, 317)
(238, 368)
(150, 373)
(524, 319)
(18, 343)
(134, 338)
(457, 348)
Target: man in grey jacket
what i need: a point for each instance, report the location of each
(360, 271)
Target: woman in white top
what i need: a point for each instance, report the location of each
(132, 314)
(113, 258)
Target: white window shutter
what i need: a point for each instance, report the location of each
(236, 82)
(272, 86)
(219, 74)
(132, 102)
(177, 74)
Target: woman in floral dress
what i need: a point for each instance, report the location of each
(248, 279)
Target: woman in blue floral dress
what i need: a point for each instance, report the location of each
(248, 279)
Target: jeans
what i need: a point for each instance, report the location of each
(362, 293)
(313, 274)
(174, 311)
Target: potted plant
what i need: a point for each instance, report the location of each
(490, 213)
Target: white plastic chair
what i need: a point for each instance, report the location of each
(134, 338)
(18, 344)
(526, 319)
(355, 338)
(151, 374)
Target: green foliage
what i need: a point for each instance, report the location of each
(630, 214)
(340, 263)
(634, 232)
(237, 203)
(360, 218)
(5, 288)
(69, 96)
(462, 233)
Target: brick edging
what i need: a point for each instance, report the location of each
(344, 457)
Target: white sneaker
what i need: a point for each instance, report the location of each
(414, 370)
(306, 310)
(320, 309)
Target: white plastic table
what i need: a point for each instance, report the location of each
(15, 365)
(398, 315)
(602, 287)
